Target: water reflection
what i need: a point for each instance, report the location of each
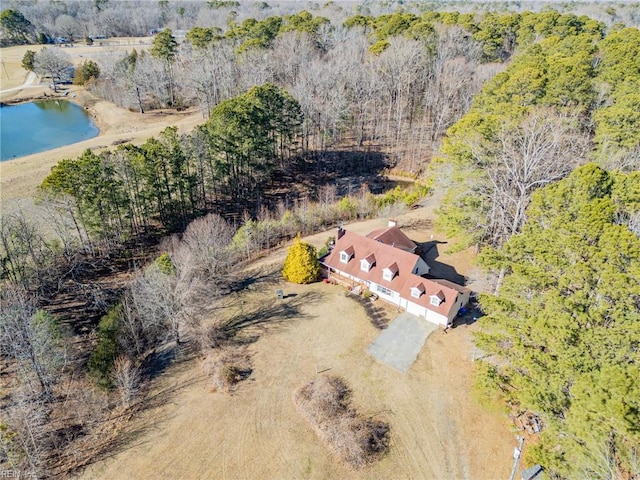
(39, 126)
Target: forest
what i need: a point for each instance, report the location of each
(526, 122)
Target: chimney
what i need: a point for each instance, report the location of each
(340, 232)
(392, 223)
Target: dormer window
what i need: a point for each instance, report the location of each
(417, 290)
(367, 263)
(346, 255)
(437, 298)
(389, 272)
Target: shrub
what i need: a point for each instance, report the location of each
(27, 60)
(85, 72)
(165, 264)
(301, 264)
(104, 355)
(325, 402)
(227, 367)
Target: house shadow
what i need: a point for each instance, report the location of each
(430, 252)
(469, 315)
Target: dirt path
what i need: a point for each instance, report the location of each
(28, 83)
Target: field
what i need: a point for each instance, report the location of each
(19, 178)
(437, 429)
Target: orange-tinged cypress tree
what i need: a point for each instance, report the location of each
(301, 264)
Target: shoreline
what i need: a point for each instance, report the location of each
(95, 122)
(20, 176)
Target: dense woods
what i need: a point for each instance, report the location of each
(563, 335)
(171, 179)
(532, 122)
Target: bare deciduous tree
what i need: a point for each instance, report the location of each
(126, 378)
(54, 63)
(543, 148)
(29, 338)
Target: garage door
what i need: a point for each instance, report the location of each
(415, 309)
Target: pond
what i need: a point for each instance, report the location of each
(39, 126)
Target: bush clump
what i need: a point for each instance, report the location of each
(227, 367)
(325, 402)
(301, 264)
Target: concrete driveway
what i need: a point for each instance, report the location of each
(399, 344)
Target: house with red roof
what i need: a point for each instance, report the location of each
(384, 263)
(395, 237)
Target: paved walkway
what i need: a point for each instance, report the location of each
(399, 344)
(31, 77)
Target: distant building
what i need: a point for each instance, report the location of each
(533, 473)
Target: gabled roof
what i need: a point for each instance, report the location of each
(348, 249)
(371, 259)
(395, 237)
(398, 261)
(439, 295)
(363, 247)
(393, 268)
(448, 284)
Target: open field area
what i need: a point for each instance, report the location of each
(437, 429)
(19, 178)
(13, 75)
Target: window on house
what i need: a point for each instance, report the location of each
(415, 292)
(435, 301)
(365, 266)
(384, 290)
(344, 257)
(387, 275)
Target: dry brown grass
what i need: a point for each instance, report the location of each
(438, 430)
(325, 402)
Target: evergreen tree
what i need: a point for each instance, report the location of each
(27, 60)
(565, 328)
(15, 27)
(165, 47)
(301, 264)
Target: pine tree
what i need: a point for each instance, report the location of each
(565, 328)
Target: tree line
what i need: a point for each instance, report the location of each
(399, 100)
(27, 22)
(562, 101)
(562, 337)
(173, 178)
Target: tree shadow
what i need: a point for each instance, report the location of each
(378, 315)
(269, 313)
(160, 360)
(263, 276)
(430, 252)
